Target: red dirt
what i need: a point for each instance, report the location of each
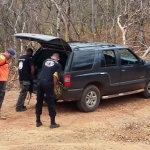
(118, 124)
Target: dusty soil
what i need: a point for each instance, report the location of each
(118, 124)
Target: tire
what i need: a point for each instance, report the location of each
(90, 99)
(146, 92)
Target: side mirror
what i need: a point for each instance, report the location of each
(141, 62)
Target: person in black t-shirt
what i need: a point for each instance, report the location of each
(26, 72)
(45, 86)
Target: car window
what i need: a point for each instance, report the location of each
(83, 60)
(58, 42)
(127, 57)
(110, 58)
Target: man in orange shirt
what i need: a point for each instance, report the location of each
(10, 53)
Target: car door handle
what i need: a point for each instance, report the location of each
(122, 70)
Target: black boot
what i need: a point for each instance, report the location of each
(53, 123)
(38, 121)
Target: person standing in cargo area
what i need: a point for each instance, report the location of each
(26, 73)
(45, 85)
(10, 53)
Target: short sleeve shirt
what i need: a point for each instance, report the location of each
(24, 68)
(49, 67)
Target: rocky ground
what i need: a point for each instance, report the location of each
(118, 124)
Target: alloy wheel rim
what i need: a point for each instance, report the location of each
(148, 87)
(91, 99)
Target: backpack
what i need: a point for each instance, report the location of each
(60, 88)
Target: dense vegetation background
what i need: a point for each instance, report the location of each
(116, 21)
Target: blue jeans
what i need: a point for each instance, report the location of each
(2, 92)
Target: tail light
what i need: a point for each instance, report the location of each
(67, 80)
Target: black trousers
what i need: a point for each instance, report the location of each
(44, 86)
(2, 92)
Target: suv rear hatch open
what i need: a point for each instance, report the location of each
(49, 45)
(45, 41)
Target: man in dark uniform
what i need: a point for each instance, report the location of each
(26, 72)
(45, 85)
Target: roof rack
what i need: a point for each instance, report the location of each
(107, 45)
(83, 41)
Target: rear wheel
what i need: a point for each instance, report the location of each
(146, 92)
(90, 99)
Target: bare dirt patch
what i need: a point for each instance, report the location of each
(118, 124)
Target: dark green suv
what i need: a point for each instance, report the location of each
(93, 70)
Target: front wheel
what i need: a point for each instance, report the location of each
(146, 92)
(90, 99)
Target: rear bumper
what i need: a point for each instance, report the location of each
(71, 95)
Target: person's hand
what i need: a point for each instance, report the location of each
(33, 77)
(55, 91)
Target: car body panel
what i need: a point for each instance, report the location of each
(109, 76)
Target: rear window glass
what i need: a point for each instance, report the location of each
(83, 60)
(58, 42)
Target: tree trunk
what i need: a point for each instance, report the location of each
(146, 52)
(123, 30)
(58, 19)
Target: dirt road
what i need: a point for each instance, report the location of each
(118, 124)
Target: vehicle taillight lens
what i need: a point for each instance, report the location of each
(67, 80)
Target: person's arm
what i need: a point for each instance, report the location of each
(59, 68)
(32, 67)
(32, 70)
(55, 81)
